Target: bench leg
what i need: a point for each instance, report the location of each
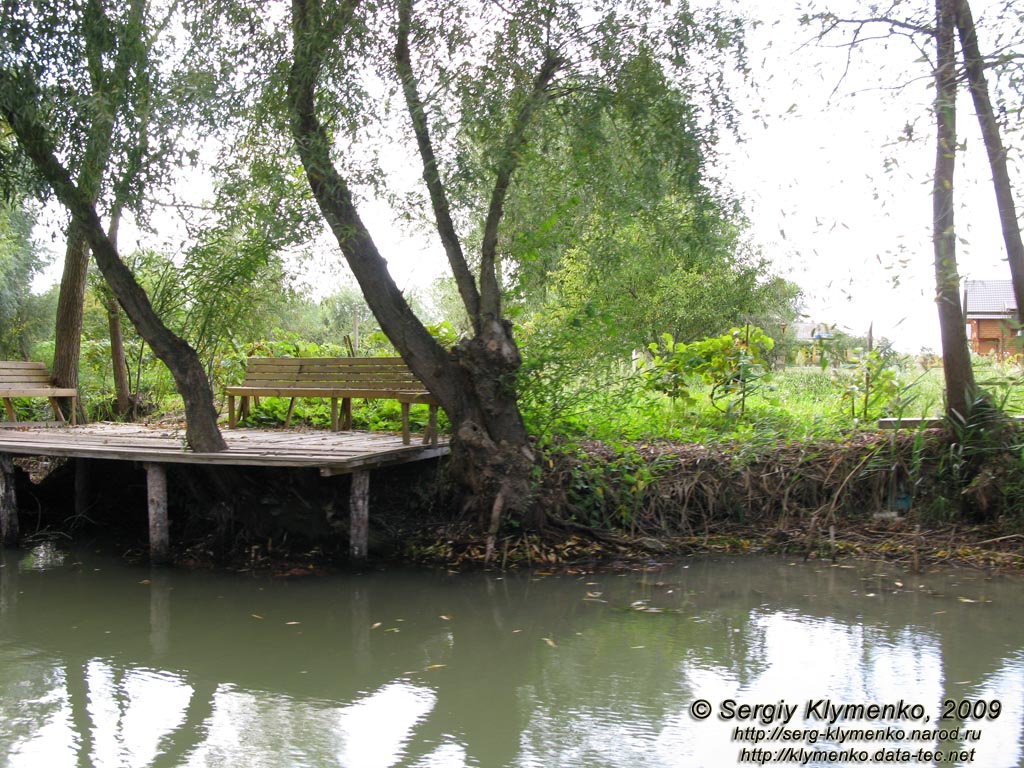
(11, 415)
(56, 408)
(231, 412)
(405, 424)
(243, 407)
(430, 436)
(291, 409)
(334, 414)
(346, 413)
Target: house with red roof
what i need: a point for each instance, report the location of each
(991, 313)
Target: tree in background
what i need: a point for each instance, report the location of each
(939, 25)
(64, 77)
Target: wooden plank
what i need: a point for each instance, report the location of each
(359, 515)
(8, 503)
(36, 391)
(159, 528)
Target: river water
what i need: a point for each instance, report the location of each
(103, 664)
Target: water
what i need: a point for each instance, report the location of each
(107, 665)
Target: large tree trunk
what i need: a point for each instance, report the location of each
(475, 382)
(201, 433)
(70, 301)
(961, 390)
(975, 67)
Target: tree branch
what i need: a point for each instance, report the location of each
(422, 353)
(431, 175)
(201, 430)
(511, 155)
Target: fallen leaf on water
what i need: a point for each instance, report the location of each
(446, 618)
(255, 615)
(436, 666)
(966, 600)
(145, 581)
(393, 629)
(550, 642)
(376, 625)
(292, 623)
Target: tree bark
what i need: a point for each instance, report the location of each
(70, 300)
(961, 390)
(975, 66)
(475, 382)
(190, 378)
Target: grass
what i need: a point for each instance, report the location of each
(799, 403)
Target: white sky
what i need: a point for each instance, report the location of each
(854, 235)
(813, 171)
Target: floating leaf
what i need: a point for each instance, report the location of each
(255, 615)
(550, 642)
(375, 625)
(292, 623)
(446, 618)
(436, 666)
(966, 600)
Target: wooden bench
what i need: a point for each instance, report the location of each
(28, 379)
(337, 378)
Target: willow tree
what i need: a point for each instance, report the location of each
(67, 133)
(473, 79)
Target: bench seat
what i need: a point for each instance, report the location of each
(334, 378)
(19, 378)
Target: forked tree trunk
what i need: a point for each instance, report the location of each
(961, 390)
(975, 66)
(474, 383)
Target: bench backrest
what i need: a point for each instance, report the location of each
(386, 374)
(18, 374)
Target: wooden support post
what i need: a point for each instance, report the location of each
(11, 414)
(231, 412)
(430, 436)
(82, 487)
(291, 410)
(405, 424)
(334, 414)
(346, 413)
(159, 530)
(359, 514)
(8, 503)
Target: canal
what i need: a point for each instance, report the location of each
(105, 664)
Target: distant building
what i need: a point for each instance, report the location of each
(991, 313)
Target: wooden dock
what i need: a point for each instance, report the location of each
(331, 453)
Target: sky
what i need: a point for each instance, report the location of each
(837, 200)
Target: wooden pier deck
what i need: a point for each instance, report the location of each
(331, 453)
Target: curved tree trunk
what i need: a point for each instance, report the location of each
(961, 390)
(474, 383)
(202, 433)
(975, 66)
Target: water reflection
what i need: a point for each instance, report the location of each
(105, 665)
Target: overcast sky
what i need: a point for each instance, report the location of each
(837, 201)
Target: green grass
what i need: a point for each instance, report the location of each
(800, 403)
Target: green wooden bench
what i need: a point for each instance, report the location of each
(19, 378)
(337, 378)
